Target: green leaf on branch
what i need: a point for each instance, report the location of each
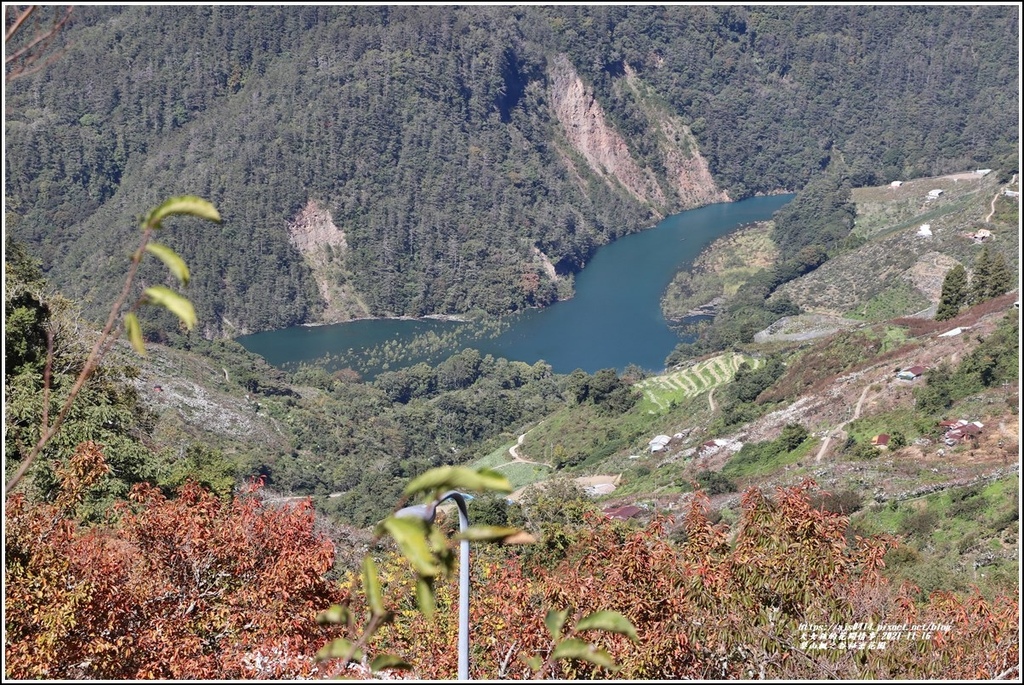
(487, 533)
(383, 661)
(459, 478)
(425, 598)
(443, 553)
(185, 204)
(371, 583)
(610, 621)
(554, 620)
(173, 302)
(339, 648)
(171, 259)
(134, 331)
(338, 613)
(533, 662)
(411, 536)
(578, 649)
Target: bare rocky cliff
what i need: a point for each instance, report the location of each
(590, 134)
(323, 248)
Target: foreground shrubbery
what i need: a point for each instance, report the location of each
(715, 607)
(198, 588)
(183, 588)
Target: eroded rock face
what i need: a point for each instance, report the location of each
(313, 229)
(588, 131)
(687, 169)
(323, 247)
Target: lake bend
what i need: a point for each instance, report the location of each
(613, 320)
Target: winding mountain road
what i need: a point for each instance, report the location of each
(996, 197)
(514, 452)
(837, 429)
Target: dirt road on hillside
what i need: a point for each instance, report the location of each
(514, 453)
(837, 429)
(996, 197)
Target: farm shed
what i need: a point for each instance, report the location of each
(911, 373)
(659, 442)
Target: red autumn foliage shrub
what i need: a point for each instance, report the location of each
(196, 588)
(720, 606)
(183, 588)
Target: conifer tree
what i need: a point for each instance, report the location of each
(954, 293)
(981, 276)
(1000, 278)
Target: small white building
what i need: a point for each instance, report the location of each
(659, 443)
(896, 184)
(925, 230)
(935, 193)
(982, 172)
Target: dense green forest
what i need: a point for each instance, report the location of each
(430, 135)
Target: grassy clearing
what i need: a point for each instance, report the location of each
(906, 421)
(644, 480)
(894, 337)
(721, 269)
(902, 299)
(748, 469)
(520, 474)
(950, 537)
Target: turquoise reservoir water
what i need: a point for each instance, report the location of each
(614, 320)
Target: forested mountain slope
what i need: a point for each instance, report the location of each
(454, 154)
(137, 514)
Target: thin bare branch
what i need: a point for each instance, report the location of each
(22, 72)
(47, 369)
(37, 45)
(100, 348)
(21, 18)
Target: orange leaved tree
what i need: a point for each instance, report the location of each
(183, 588)
(741, 604)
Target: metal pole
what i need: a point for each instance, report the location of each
(460, 501)
(463, 596)
(427, 513)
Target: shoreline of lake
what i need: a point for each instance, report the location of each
(453, 318)
(613, 320)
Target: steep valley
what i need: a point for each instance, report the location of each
(832, 444)
(840, 386)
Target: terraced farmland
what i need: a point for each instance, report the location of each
(660, 391)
